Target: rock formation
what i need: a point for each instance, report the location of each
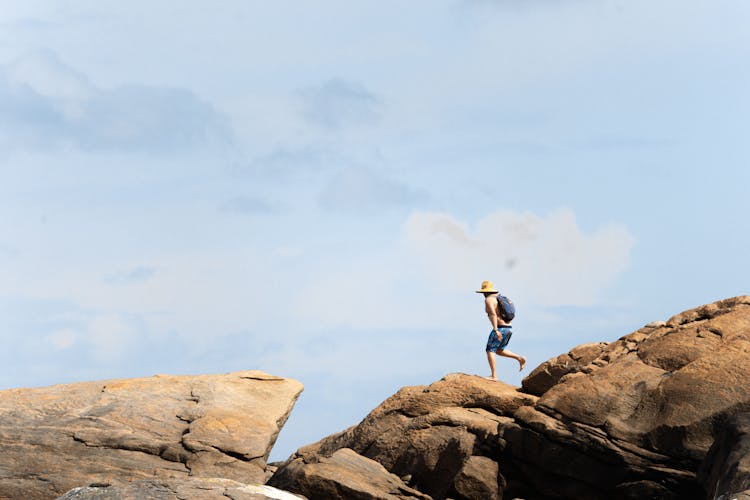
(438, 439)
(633, 418)
(184, 488)
(346, 474)
(726, 470)
(53, 439)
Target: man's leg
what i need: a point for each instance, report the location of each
(510, 354)
(491, 361)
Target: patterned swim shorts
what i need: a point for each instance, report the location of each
(494, 343)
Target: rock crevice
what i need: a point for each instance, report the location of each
(633, 418)
(60, 437)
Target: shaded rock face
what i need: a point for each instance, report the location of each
(725, 473)
(633, 418)
(345, 474)
(439, 439)
(53, 439)
(171, 489)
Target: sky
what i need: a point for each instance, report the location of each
(316, 189)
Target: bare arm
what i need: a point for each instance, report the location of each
(490, 306)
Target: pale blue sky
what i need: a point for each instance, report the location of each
(316, 189)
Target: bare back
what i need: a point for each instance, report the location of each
(493, 313)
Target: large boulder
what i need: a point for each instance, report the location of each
(478, 478)
(345, 475)
(725, 473)
(629, 419)
(642, 414)
(56, 438)
(432, 437)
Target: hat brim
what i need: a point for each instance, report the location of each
(487, 291)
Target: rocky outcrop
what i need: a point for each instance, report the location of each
(53, 439)
(726, 470)
(345, 474)
(546, 375)
(633, 418)
(644, 410)
(435, 438)
(185, 488)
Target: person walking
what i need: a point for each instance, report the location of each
(500, 311)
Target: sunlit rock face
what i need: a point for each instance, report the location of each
(633, 418)
(53, 439)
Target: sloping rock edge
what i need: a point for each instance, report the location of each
(541, 453)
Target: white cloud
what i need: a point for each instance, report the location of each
(338, 103)
(110, 336)
(63, 339)
(548, 260)
(135, 275)
(248, 205)
(44, 73)
(427, 279)
(363, 190)
(289, 162)
(46, 104)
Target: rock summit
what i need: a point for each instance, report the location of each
(660, 413)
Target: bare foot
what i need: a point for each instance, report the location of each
(522, 363)
(491, 378)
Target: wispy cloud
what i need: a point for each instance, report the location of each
(248, 205)
(621, 143)
(135, 275)
(284, 162)
(8, 251)
(541, 261)
(339, 103)
(549, 259)
(45, 104)
(361, 189)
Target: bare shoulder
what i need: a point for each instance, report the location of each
(490, 303)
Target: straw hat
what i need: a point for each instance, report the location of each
(487, 287)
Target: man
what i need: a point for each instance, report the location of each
(501, 330)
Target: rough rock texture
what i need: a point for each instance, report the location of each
(425, 435)
(478, 478)
(174, 489)
(725, 473)
(549, 373)
(344, 474)
(641, 415)
(56, 438)
(633, 418)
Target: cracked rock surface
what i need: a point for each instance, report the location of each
(629, 419)
(435, 438)
(725, 473)
(55, 438)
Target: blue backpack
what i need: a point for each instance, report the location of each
(505, 308)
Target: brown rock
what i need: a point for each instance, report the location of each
(549, 373)
(56, 438)
(173, 489)
(478, 480)
(344, 475)
(426, 433)
(638, 420)
(725, 472)
(665, 393)
(630, 419)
